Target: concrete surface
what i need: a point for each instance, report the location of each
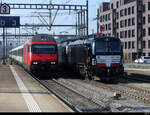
(23, 93)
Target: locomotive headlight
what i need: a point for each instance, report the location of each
(53, 63)
(35, 63)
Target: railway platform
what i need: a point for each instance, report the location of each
(22, 93)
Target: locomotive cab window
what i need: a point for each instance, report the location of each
(43, 49)
(115, 46)
(100, 46)
(107, 45)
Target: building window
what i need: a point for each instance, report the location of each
(121, 2)
(132, 9)
(112, 6)
(148, 18)
(133, 33)
(129, 33)
(133, 45)
(148, 43)
(109, 16)
(148, 5)
(129, 45)
(125, 12)
(121, 34)
(126, 23)
(101, 19)
(129, 22)
(133, 21)
(109, 26)
(144, 45)
(117, 25)
(121, 13)
(125, 34)
(121, 24)
(143, 20)
(117, 35)
(149, 31)
(125, 45)
(129, 11)
(117, 4)
(144, 8)
(103, 27)
(106, 17)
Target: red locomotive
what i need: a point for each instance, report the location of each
(40, 53)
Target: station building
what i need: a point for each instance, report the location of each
(130, 21)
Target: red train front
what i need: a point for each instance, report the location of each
(38, 54)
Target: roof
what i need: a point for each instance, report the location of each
(43, 38)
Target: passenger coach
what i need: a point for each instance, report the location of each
(40, 53)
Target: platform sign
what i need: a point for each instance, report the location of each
(4, 9)
(9, 21)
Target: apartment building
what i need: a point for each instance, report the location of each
(130, 21)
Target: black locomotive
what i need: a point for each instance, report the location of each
(93, 57)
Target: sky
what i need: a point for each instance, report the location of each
(70, 19)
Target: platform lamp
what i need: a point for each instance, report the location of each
(11, 53)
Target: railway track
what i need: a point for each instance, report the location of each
(126, 90)
(145, 92)
(104, 95)
(78, 102)
(138, 79)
